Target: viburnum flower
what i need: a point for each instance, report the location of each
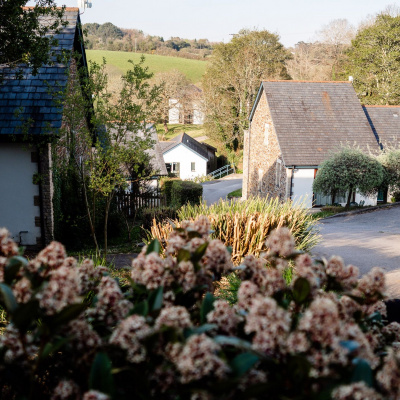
(355, 391)
(8, 247)
(174, 317)
(281, 242)
(50, 258)
(95, 395)
(198, 359)
(224, 316)
(66, 390)
(128, 335)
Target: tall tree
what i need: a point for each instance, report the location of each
(374, 61)
(24, 32)
(232, 80)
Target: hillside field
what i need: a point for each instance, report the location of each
(193, 69)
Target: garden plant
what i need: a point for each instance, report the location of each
(244, 225)
(74, 332)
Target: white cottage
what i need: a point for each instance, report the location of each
(188, 158)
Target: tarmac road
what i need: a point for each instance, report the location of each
(365, 240)
(218, 189)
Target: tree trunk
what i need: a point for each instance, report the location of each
(166, 125)
(108, 203)
(333, 198)
(89, 214)
(349, 198)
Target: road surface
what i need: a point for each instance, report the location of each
(365, 240)
(218, 189)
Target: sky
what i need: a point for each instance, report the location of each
(217, 20)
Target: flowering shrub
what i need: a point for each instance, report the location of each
(76, 333)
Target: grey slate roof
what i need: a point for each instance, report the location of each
(156, 154)
(29, 98)
(385, 123)
(313, 118)
(187, 141)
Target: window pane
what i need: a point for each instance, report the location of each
(193, 167)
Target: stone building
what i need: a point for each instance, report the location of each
(294, 125)
(30, 119)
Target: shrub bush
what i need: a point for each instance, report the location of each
(159, 214)
(245, 225)
(185, 192)
(75, 333)
(166, 187)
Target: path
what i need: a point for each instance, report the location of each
(218, 189)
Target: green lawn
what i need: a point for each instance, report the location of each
(175, 129)
(193, 69)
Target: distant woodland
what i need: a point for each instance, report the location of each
(109, 37)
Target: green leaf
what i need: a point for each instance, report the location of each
(156, 299)
(362, 372)
(183, 255)
(193, 234)
(243, 362)
(52, 348)
(141, 308)
(101, 378)
(25, 314)
(350, 345)
(12, 268)
(206, 306)
(154, 246)
(233, 341)
(8, 298)
(199, 252)
(198, 330)
(67, 314)
(301, 290)
(375, 317)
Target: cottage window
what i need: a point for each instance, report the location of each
(266, 134)
(278, 172)
(193, 165)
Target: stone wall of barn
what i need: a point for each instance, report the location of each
(264, 173)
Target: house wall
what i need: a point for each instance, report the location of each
(262, 156)
(185, 157)
(302, 181)
(174, 111)
(19, 199)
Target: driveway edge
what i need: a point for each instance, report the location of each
(370, 209)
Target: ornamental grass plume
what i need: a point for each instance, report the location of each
(74, 332)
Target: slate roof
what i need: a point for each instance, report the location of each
(156, 154)
(188, 141)
(385, 123)
(28, 98)
(313, 118)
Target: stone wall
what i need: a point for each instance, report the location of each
(264, 173)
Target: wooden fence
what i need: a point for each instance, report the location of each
(129, 203)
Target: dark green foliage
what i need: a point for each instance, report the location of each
(184, 192)
(166, 187)
(347, 171)
(374, 61)
(22, 37)
(160, 214)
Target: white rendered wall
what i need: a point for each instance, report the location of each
(368, 201)
(185, 157)
(17, 210)
(198, 116)
(173, 114)
(302, 186)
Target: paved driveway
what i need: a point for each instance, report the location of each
(215, 190)
(365, 240)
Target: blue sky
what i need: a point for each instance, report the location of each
(293, 20)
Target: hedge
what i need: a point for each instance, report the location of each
(184, 192)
